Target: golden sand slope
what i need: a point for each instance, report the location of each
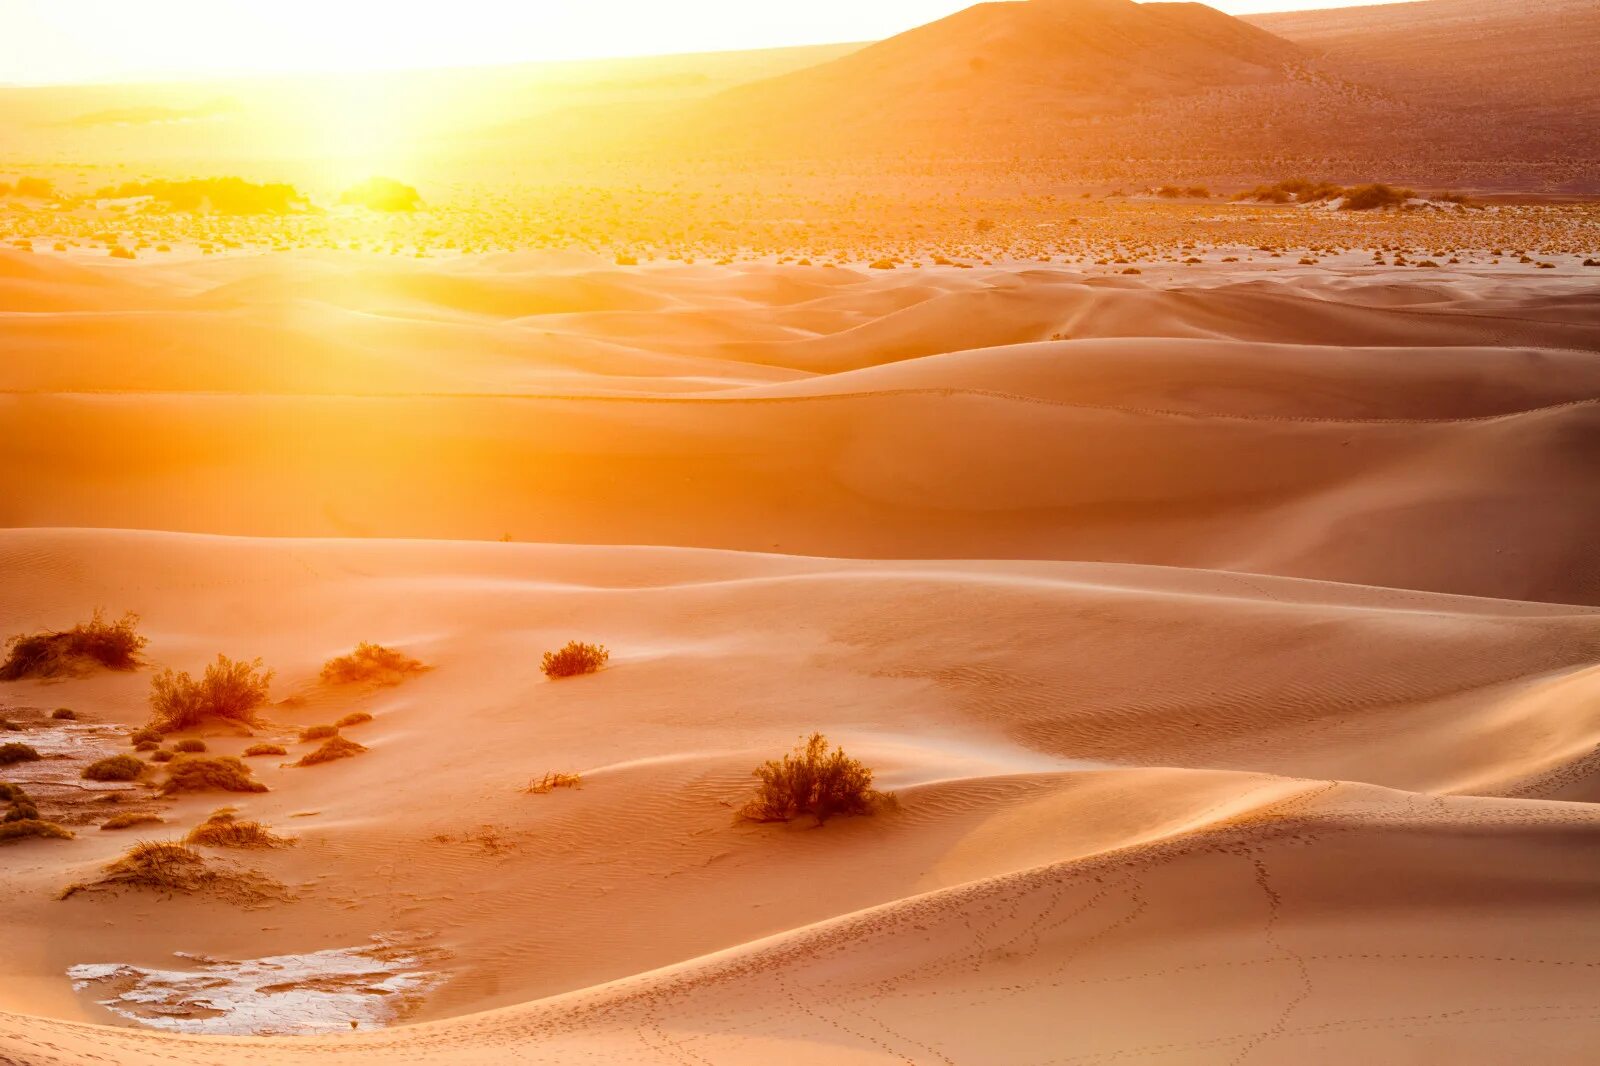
(1433, 431)
(1147, 813)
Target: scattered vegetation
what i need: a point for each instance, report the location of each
(265, 749)
(813, 780)
(353, 718)
(129, 820)
(574, 659)
(229, 690)
(64, 714)
(190, 746)
(51, 653)
(223, 830)
(381, 194)
(318, 732)
(336, 748)
(32, 827)
(552, 781)
(371, 664)
(165, 866)
(114, 768)
(146, 735)
(225, 196)
(15, 753)
(22, 821)
(162, 755)
(223, 774)
(1356, 198)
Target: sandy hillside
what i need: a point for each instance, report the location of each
(1229, 635)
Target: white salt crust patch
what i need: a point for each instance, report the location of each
(280, 995)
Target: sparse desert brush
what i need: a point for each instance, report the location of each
(229, 689)
(163, 865)
(223, 830)
(371, 664)
(114, 768)
(1371, 197)
(10, 793)
(574, 659)
(814, 780)
(162, 755)
(381, 194)
(318, 732)
(191, 746)
(146, 735)
(129, 820)
(15, 753)
(552, 781)
(32, 827)
(114, 645)
(223, 774)
(266, 749)
(353, 718)
(64, 714)
(336, 748)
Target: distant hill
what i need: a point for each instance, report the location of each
(1520, 73)
(1008, 72)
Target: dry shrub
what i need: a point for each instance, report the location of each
(64, 714)
(114, 768)
(32, 827)
(318, 732)
(189, 747)
(353, 718)
(552, 781)
(336, 748)
(813, 780)
(230, 690)
(162, 755)
(10, 792)
(129, 820)
(1370, 197)
(224, 774)
(223, 830)
(145, 735)
(15, 753)
(164, 865)
(576, 658)
(371, 664)
(114, 645)
(266, 749)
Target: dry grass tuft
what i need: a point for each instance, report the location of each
(114, 768)
(129, 820)
(229, 690)
(114, 645)
(189, 747)
(552, 781)
(336, 748)
(15, 753)
(266, 749)
(813, 780)
(576, 658)
(223, 830)
(224, 773)
(371, 664)
(353, 718)
(165, 866)
(26, 828)
(318, 732)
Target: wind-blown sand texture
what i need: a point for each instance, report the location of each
(1229, 635)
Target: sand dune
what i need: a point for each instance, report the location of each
(1228, 635)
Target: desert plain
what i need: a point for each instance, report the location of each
(1210, 583)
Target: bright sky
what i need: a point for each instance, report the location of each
(44, 41)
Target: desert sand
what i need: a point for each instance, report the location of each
(1227, 633)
